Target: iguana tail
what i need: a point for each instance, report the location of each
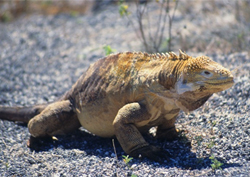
(20, 114)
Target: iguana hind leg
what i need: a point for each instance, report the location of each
(126, 124)
(57, 118)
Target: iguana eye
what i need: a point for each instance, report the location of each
(207, 73)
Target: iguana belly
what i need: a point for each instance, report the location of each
(98, 122)
(98, 117)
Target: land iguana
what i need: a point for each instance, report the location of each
(124, 95)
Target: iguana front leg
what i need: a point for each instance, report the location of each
(125, 125)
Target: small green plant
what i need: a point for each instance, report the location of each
(6, 164)
(47, 3)
(74, 13)
(210, 144)
(6, 17)
(199, 139)
(108, 50)
(214, 123)
(240, 39)
(216, 164)
(127, 159)
(183, 137)
(123, 9)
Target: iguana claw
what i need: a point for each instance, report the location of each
(152, 153)
(168, 134)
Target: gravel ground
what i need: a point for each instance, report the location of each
(42, 56)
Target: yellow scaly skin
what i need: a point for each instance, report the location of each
(125, 94)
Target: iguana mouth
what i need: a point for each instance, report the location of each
(220, 83)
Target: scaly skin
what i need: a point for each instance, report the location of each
(125, 94)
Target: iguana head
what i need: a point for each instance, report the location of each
(201, 74)
(198, 79)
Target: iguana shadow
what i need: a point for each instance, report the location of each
(180, 154)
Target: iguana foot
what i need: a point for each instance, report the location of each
(169, 134)
(152, 153)
(36, 143)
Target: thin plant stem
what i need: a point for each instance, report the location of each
(140, 13)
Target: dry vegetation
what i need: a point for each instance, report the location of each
(10, 10)
(228, 22)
